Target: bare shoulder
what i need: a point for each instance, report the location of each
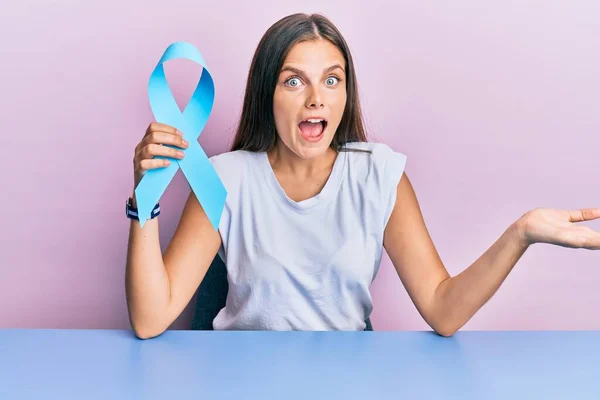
(405, 231)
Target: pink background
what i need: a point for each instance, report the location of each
(496, 106)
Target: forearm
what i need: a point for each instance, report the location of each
(458, 298)
(146, 279)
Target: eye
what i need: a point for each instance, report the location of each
(292, 81)
(332, 80)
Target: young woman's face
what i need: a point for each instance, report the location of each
(310, 97)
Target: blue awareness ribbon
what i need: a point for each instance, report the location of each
(195, 165)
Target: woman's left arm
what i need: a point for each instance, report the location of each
(447, 303)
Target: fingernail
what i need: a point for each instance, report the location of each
(179, 132)
(180, 153)
(185, 142)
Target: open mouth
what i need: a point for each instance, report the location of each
(311, 129)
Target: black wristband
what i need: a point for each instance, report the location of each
(132, 213)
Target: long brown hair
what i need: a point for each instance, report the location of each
(256, 129)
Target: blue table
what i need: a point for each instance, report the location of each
(108, 364)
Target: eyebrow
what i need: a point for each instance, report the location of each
(300, 72)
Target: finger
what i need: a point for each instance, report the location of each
(584, 214)
(153, 150)
(154, 163)
(592, 241)
(159, 127)
(164, 138)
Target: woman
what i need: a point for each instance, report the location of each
(311, 204)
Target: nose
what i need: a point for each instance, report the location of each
(315, 99)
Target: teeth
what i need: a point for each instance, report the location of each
(314, 121)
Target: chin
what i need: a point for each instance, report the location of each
(310, 149)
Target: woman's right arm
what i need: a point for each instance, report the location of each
(158, 286)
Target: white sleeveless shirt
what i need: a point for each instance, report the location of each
(304, 265)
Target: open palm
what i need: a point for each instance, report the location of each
(546, 225)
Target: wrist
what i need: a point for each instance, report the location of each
(132, 212)
(520, 232)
